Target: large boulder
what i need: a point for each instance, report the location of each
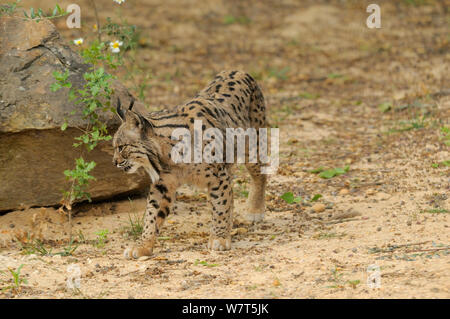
(34, 151)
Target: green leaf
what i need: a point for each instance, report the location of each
(297, 199)
(288, 197)
(340, 171)
(317, 170)
(328, 173)
(316, 198)
(334, 75)
(92, 106)
(385, 107)
(94, 90)
(55, 87)
(309, 96)
(64, 126)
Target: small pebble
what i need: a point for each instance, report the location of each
(319, 207)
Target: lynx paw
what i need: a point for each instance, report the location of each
(216, 243)
(136, 252)
(255, 217)
(254, 211)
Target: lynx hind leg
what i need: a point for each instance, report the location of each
(221, 200)
(255, 202)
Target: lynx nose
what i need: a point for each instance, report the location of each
(121, 164)
(117, 163)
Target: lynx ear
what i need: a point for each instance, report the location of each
(134, 120)
(119, 110)
(131, 104)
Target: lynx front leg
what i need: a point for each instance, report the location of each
(159, 203)
(221, 199)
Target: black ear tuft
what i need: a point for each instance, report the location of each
(119, 110)
(131, 104)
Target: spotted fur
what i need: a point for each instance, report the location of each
(232, 100)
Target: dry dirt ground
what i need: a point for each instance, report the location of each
(374, 100)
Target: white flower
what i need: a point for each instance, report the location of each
(78, 41)
(115, 46)
(119, 1)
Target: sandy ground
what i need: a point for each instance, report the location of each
(324, 74)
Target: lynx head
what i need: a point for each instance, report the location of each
(133, 144)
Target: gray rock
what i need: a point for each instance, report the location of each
(34, 151)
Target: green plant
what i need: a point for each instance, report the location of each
(68, 250)
(413, 124)
(204, 263)
(38, 14)
(436, 211)
(102, 236)
(334, 76)
(443, 163)
(329, 235)
(16, 281)
(80, 177)
(230, 19)
(329, 173)
(9, 8)
(92, 99)
(126, 33)
(35, 247)
(353, 283)
(316, 197)
(416, 3)
(242, 189)
(445, 130)
(289, 198)
(33, 14)
(280, 74)
(81, 238)
(134, 226)
(309, 96)
(385, 107)
(336, 278)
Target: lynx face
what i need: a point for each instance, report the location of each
(133, 146)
